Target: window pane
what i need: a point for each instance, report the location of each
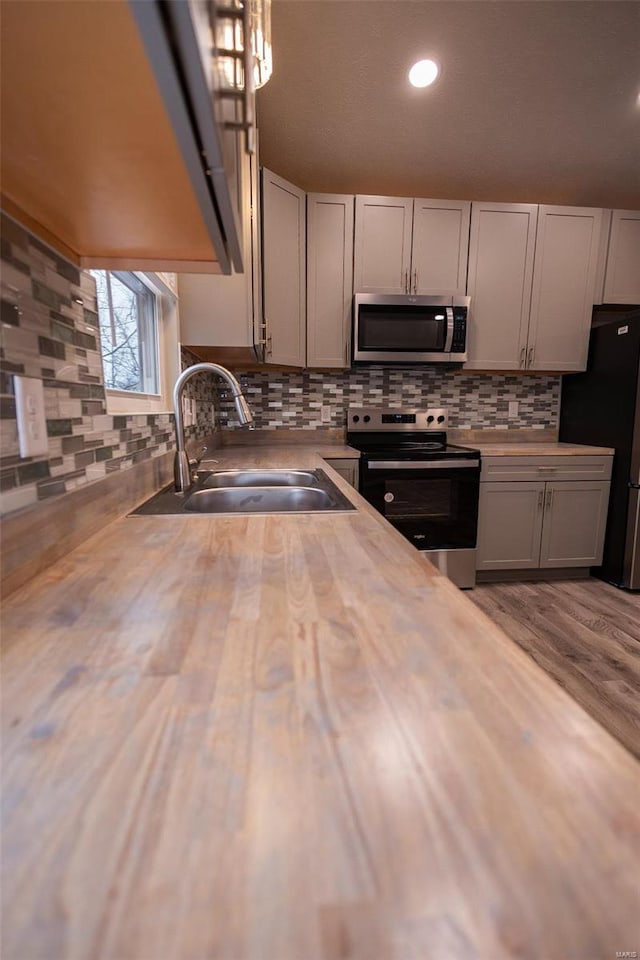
(127, 313)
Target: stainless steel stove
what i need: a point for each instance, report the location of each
(424, 486)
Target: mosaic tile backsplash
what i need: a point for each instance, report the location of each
(283, 400)
(49, 328)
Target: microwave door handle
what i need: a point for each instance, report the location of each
(449, 337)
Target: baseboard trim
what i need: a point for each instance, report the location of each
(558, 573)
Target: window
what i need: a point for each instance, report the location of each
(139, 341)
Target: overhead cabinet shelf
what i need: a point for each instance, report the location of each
(411, 246)
(105, 150)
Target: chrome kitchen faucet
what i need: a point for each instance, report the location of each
(181, 467)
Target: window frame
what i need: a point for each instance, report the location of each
(167, 349)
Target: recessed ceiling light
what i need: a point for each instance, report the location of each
(423, 73)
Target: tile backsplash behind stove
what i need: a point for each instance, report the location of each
(281, 400)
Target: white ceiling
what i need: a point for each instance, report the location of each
(538, 99)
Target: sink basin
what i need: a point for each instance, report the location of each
(260, 500)
(260, 478)
(250, 491)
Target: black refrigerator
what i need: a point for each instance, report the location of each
(602, 407)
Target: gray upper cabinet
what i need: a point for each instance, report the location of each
(329, 279)
(440, 246)
(283, 257)
(219, 311)
(622, 274)
(382, 256)
(532, 276)
(501, 251)
(564, 275)
(416, 246)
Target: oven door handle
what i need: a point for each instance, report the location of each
(422, 464)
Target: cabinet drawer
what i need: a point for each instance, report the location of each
(546, 468)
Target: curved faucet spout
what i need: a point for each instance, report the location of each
(182, 470)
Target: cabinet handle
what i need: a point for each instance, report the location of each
(549, 499)
(415, 281)
(522, 356)
(407, 282)
(268, 339)
(540, 499)
(532, 350)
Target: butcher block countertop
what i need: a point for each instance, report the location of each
(291, 738)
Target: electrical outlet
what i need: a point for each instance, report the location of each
(513, 408)
(326, 414)
(32, 425)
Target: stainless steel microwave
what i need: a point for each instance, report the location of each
(409, 329)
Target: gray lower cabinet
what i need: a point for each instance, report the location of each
(575, 516)
(531, 523)
(509, 525)
(348, 469)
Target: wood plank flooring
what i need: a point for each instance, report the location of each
(583, 633)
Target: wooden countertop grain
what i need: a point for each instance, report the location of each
(541, 449)
(290, 738)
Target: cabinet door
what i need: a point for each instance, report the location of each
(283, 259)
(622, 276)
(440, 247)
(216, 310)
(575, 517)
(329, 279)
(347, 469)
(509, 525)
(500, 273)
(566, 261)
(382, 254)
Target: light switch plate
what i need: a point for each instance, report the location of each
(513, 408)
(32, 424)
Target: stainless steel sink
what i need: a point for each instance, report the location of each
(260, 500)
(260, 478)
(250, 491)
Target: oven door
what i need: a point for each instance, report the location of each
(433, 503)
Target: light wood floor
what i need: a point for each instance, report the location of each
(586, 635)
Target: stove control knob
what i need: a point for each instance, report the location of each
(356, 418)
(430, 419)
(366, 418)
(440, 419)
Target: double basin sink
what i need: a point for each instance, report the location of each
(250, 491)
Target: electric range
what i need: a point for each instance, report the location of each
(427, 488)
